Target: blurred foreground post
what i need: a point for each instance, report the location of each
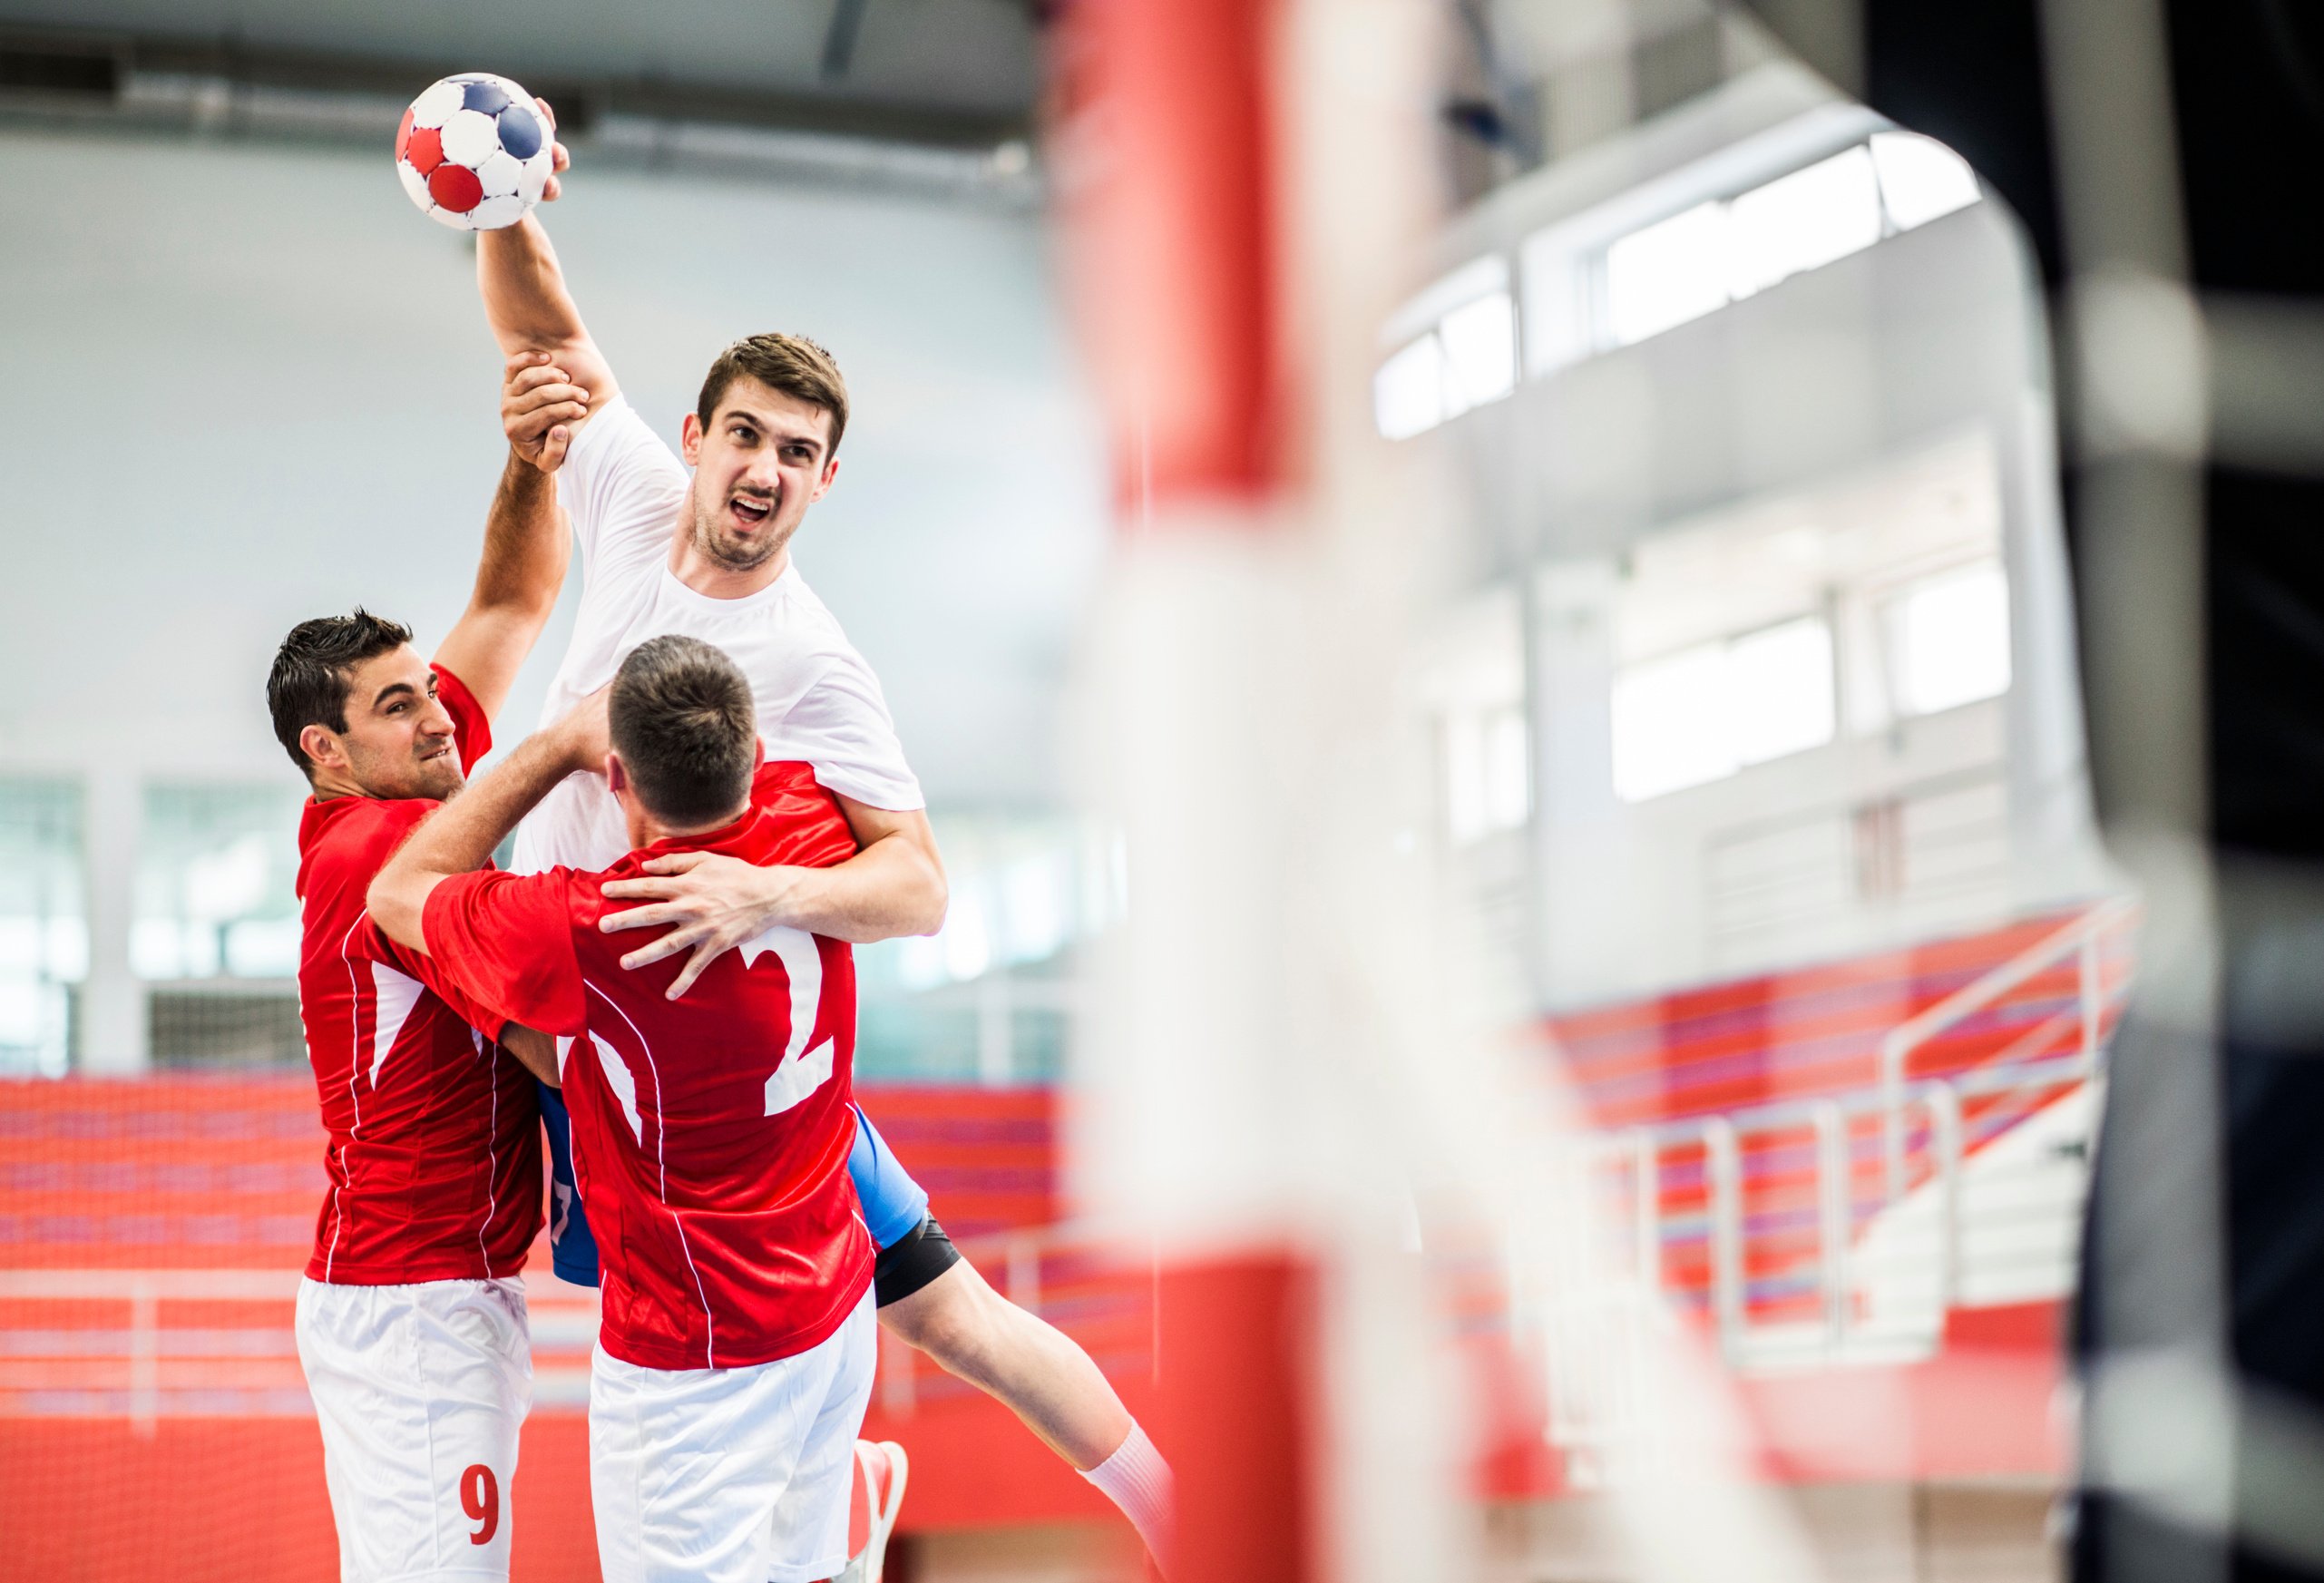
(1178, 264)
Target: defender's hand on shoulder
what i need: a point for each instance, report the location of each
(710, 904)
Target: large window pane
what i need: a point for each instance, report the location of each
(1669, 725)
(1661, 277)
(1803, 221)
(962, 1004)
(1489, 776)
(1921, 178)
(1949, 639)
(1408, 393)
(215, 875)
(1704, 713)
(44, 923)
(1780, 691)
(1479, 342)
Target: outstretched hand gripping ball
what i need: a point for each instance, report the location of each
(475, 152)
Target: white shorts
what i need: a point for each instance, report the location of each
(420, 1391)
(738, 1475)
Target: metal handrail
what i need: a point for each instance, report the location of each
(1778, 1115)
(1947, 1142)
(1723, 1165)
(1640, 1151)
(1835, 1218)
(2079, 939)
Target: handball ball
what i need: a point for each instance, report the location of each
(473, 152)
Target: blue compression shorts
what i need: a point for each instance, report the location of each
(893, 1203)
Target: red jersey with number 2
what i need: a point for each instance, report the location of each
(435, 1150)
(710, 1133)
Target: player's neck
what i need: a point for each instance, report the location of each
(712, 580)
(645, 829)
(324, 786)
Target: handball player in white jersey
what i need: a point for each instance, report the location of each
(708, 556)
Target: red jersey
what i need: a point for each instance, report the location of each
(711, 1133)
(434, 1151)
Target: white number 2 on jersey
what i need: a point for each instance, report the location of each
(797, 1074)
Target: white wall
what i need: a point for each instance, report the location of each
(245, 384)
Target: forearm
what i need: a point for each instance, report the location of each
(889, 889)
(523, 288)
(526, 547)
(459, 836)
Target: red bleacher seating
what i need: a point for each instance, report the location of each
(151, 1232)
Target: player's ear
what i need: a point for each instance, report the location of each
(617, 774)
(322, 748)
(830, 474)
(689, 438)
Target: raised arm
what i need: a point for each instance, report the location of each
(527, 304)
(893, 885)
(461, 835)
(522, 568)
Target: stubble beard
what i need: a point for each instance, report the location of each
(442, 779)
(437, 780)
(723, 552)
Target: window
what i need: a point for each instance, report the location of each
(1489, 781)
(1585, 294)
(1780, 690)
(1705, 712)
(44, 925)
(1408, 393)
(1659, 277)
(1480, 351)
(1468, 359)
(1802, 221)
(1921, 178)
(1025, 909)
(985, 996)
(1949, 638)
(1701, 259)
(215, 871)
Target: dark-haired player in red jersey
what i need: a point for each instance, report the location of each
(411, 1325)
(711, 1133)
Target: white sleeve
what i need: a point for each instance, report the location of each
(621, 484)
(841, 725)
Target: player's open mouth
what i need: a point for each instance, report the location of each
(748, 512)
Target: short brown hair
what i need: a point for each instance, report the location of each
(793, 365)
(313, 669)
(680, 717)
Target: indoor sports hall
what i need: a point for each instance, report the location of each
(1613, 825)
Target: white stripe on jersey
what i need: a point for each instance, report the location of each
(709, 1323)
(355, 1023)
(394, 994)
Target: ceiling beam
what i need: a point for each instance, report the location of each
(85, 64)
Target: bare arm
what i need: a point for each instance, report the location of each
(531, 310)
(460, 836)
(534, 1051)
(526, 550)
(893, 885)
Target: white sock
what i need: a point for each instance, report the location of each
(1137, 1478)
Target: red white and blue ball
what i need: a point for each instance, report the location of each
(475, 152)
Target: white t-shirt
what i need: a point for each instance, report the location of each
(817, 699)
